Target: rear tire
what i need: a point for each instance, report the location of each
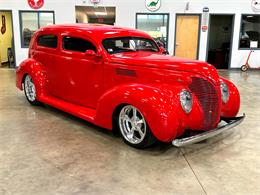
(244, 68)
(30, 90)
(134, 128)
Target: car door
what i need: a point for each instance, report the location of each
(83, 74)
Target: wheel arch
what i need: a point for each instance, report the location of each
(23, 79)
(36, 71)
(152, 101)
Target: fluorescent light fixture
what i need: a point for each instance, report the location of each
(100, 13)
(250, 16)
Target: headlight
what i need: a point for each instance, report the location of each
(224, 92)
(186, 100)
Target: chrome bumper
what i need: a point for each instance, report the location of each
(231, 122)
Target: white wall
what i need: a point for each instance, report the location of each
(64, 13)
(125, 16)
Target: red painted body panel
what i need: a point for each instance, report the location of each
(92, 87)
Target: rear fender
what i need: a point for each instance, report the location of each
(36, 71)
(159, 105)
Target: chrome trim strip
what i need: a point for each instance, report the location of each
(231, 122)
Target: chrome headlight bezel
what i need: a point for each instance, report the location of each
(186, 100)
(224, 92)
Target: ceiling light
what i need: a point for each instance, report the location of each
(249, 16)
(100, 13)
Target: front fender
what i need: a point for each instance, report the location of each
(231, 108)
(159, 105)
(36, 71)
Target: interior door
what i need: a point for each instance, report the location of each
(6, 36)
(187, 36)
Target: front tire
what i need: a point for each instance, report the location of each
(134, 128)
(30, 90)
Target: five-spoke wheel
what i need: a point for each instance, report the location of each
(133, 127)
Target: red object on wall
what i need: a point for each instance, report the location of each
(204, 28)
(3, 28)
(95, 1)
(36, 4)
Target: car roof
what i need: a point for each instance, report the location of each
(96, 31)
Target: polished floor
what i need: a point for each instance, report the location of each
(45, 151)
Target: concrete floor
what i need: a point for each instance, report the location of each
(46, 151)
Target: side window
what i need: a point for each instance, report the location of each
(48, 41)
(77, 44)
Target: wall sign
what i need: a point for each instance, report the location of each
(95, 1)
(3, 28)
(35, 4)
(153, 5)
(255, 5)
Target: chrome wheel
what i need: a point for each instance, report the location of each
(132, 124)
(29, 88)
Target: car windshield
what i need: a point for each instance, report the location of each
(129, 44)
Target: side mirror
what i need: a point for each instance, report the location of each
(90, 53)
(163, 51)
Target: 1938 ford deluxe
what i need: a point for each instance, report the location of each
(118, 78)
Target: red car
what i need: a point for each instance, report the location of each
(119, 79)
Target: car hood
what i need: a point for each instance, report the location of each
(155, 60)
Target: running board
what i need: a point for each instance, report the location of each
(231, 122)
(87, 114)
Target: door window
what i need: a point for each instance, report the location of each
(77, 44)
(48, 41)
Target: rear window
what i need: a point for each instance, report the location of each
(50, 41)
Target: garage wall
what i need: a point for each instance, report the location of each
(125, 16)
(64, 13)
(126, 12)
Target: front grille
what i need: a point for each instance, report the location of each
(208, 98)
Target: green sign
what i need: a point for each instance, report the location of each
(153, 5)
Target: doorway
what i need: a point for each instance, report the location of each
(187, 36)
(220, 40)
(99, 15)
(7, 57)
